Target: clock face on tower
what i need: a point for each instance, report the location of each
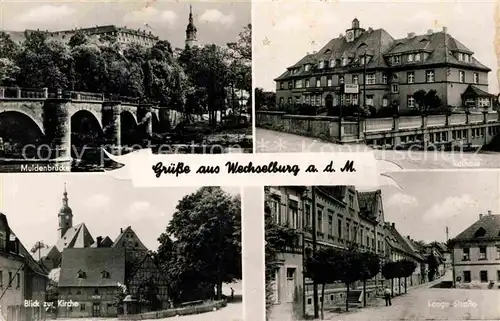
(67, 217)
(349, 36)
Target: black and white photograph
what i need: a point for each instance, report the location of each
(78, 78)
(90, 247)
(415, 82)
(399, 252)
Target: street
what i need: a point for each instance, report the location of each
(267, 141)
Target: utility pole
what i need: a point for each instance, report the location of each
(314, 228)
(364, 95)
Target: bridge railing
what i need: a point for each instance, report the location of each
(86, 96)
(436, 120)
(379, 124)
(492, 116)
(475, 118)
(23, 93)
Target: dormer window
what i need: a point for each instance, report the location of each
(81, 274)
(396, 60)
(417, 57)
(481, 232)
(321, 64)
(105, 274)
(410, 58)
(307, 67)
(332, 63)
(345, 61)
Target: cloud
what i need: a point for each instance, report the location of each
(402, 200)
(142, 211)
(215, 16)
(151, 15)
(98, 201)
(450, 207)
(140, 206)
(45, 14)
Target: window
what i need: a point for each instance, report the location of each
(289, 85)
(476, 78)
(467, 276)
(351, 201)
(96, 291)
(18, 278)
(307, 67)
(498, 276)
(320, 221)
(384, 78)
(321, 64)
(82, 307)
(318, 100)
(298, 83)
(282, 100)
(385, 102)
(345, 61)
(341, 79)
(395, 88)
(361, 237)
(465, 254)
(497, 258)
(308, 215)
(411, 102)
(369, 100)
(330, 224)
(429, 75)
(396, 60)
(105, 274)
(275, 209)
(329, 81)
(308, 83)
(461, 76)
(10, 280)
(417, 57)
(339, 228)
(282, 85)
(410, 58)
(355, 79)
(370, 79)
(318, 82)
(483, 275)
(460, 56)
(293, 214)
(289, 100)
(332, 63)
(482, 253)
(348, 231)
(410, 77)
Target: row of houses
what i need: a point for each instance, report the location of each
(340, 216)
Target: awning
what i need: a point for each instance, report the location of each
(473, 91)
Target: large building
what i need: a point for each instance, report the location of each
(476, 254)
(343, 217)
(371, 68)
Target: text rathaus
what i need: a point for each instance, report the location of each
(371, 68)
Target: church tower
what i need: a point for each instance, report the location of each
(65, 215)
(191, 31)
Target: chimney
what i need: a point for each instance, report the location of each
(408, 237)
(445, 30)
(489, 212)
(370, 29)
(340, 35)
(480, 216)
(430, 31)
(99, 241)
(411, 35)
(121, 230)
(393, 225)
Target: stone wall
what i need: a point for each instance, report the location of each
(195, 309)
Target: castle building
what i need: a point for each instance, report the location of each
(191, 30)
(371, 68)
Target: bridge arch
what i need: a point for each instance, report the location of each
(129, 128)
(86, 129)
(21, 133)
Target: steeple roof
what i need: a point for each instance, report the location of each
(65, 209)
(190, 27)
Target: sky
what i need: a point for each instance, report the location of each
(217, 22)
(287, 30)
(429, 201)
(32, 203)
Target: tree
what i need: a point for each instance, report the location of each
(8, 71)
(370, 263)
(407, 269)
(77, 39)
(351, 266)
(205, 227)
(39, 245)
(148, 294)
(420, 99)
(389, 272)
(8, 48)
(277, 238)
(432, 100)
(264, 98)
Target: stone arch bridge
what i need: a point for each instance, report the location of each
(52, 116)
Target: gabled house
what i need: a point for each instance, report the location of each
(476, 253)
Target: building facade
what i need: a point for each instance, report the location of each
(371, 68)
(476, 254)
(343, 216)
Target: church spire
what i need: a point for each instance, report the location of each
(65, 215)
(191, 30)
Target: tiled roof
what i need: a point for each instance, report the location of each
(118, 243)
(489, 223)
(368, 202)
(92, 262)
(379, 43)
(400, 242)
(77, 236)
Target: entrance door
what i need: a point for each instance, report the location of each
(290, 283)
(329, 101)
(96, 310)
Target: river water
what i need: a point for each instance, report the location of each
(267, 141)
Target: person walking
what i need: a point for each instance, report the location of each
(387, 297)
(232, 294)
